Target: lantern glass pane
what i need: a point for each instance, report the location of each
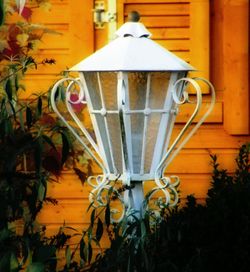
(153, 128)
(109, 88)
(101, 128)
(94, 92)
(158, 89)
(104, 139)
(108, 81)
(137, 82)
(146, 91)
(115, 132)
(137, 124)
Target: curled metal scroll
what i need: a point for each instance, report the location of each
(100, 195)
(170, 155)
(165, 184)
(102, 182)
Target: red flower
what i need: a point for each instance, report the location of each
(26, 13)
(78, 107)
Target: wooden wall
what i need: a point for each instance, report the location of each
(227, 60)
(73, 41)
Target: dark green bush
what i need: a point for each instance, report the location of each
(194, 238)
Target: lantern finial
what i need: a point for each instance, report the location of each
(134, 16)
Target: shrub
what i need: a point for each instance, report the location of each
(33, 149)
(193, 238)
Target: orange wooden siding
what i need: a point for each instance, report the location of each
(183, 27)
(180, 26)
(74, 41)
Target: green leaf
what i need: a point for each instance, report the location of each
(38, 155)
(99, 230)
(59, 94)
(8, 128)
(92, 218)
(90, 252)
(28, 117)
(36, 267)
(13, 109)
(14, 265)
(48, 141)
(82, 248)
(81, 175)
(107, 215)
(68, 256)
(16, 82)
(65, 147)
(5, 262)
(20, 114)
(41, 192)
(8, 88)
(143, 229)
(45, 253)
(28, 62)
(39, 107)
(4, 234)
(1, 12)
(90, 205)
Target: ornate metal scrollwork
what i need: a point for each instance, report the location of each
(165, 184)
(103, 185)
(168, 187)
(102, 193)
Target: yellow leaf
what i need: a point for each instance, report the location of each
(35, 44)
(22, 39)
(3, 45)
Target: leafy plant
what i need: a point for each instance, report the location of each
(33, 149)
(210, 237)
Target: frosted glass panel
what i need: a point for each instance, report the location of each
(153, 127)
(137, 90)
(115, 132)
(158, 89)
(109, 131)
(95, 97)
(109, 88)
(137, 100)
(94, 92)
(103, 131)
(137, 125)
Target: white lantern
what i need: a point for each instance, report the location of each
(133, 88)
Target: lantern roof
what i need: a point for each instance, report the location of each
(132, 50)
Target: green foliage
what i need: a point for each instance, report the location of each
(33, 150)
(193, 238)
(1, 12)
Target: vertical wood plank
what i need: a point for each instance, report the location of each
(236, 69)
(120, 12)
(199, 38)
(216, 44)
(81, 30)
